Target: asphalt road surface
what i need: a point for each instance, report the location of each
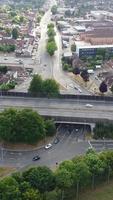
(102, 145)
(70, 144)
(62, 107)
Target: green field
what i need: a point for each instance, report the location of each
(104, 192)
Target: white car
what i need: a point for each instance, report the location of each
(48, 146)
(89, 105)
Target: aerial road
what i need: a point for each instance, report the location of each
(81, 109)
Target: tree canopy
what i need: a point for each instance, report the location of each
(65, 182)
(103, 87)
(46, 88)
(24, 126)
(54, 9)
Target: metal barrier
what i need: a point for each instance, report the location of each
(62, 96)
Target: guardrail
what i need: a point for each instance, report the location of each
(62, 96)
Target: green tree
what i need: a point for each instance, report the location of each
(64, 180)
(24, 126)
(41, 178)
(96, 166)
(73, 47)
(50, 127)
(107, 158)
(50, 88)
(8, 31)
(36, 87)
(31, 194)
(54, 9)
(51, 48)
(81, 173)
(51, 32)
(15, 33)
(51, 25)
(103, 87)
(9, 189)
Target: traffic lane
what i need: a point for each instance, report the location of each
(59, 153)
(52, 102)
(83, 113)
(58, 72)
(49, 157)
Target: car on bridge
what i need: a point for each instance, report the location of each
(89, 105)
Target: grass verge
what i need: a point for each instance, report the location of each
(104, 192)
(5, 171)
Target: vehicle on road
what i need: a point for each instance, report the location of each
(79, 90)
(35, 158)
(48, 146)
(75, 87)
(56, 140)
(89, 105)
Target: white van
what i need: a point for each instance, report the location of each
(90, 71)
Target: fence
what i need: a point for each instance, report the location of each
(62, 96)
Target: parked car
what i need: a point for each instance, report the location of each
(48, 146)
(35, 158)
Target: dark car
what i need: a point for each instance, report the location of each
(56, 140)
(36, 158)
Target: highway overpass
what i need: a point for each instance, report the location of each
(63, 109)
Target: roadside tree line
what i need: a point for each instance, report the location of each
(24, 126)
(69, 179)
(51, 44)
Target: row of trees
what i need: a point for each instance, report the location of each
(103, 130)
(51, 44)
(46, 88)
(66, 182)
(24, 126)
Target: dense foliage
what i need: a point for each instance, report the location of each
(103, 130)
(25, 126)
(70, 178)
(46, 88)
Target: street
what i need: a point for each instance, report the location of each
(70, 108)
(50, 67)
(70, 144)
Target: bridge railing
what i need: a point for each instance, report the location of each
(62, 96)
